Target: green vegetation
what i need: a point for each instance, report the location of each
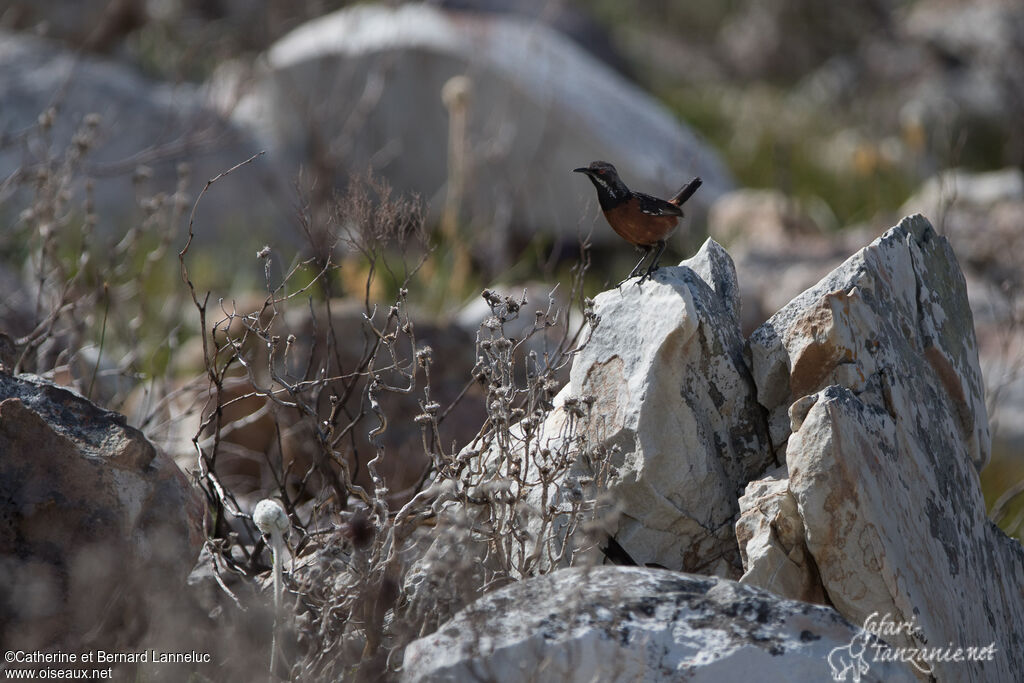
(768, 145)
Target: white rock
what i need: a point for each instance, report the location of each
(897, 527)
(874, 387)
(673, 407)
(637, 624)
(673, 392)
(770, 534)
(892, 318)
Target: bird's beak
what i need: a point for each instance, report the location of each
(581, 170)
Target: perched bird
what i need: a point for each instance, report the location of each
(638, 218)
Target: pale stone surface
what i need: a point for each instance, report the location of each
(892, 318)
(770, 534)
(362, 87)
(672, 404)
(637, 624)
(672, 391)
(897, 527)
(873, 383)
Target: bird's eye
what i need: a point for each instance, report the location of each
(600, 171)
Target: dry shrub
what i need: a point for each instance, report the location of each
(378, 447)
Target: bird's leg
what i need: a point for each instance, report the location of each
(657, 256)
(636, 268)
(654, 261)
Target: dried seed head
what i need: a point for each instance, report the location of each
(270, 517)
(424, 356)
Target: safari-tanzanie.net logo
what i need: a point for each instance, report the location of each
(850, 662)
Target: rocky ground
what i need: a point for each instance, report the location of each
(818, 405)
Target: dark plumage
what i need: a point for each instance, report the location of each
(638, 218)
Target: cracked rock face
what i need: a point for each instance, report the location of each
(897, 528)
(772, 541)
(636, 624)
(665, 367)
(891, 322)
(872, 382)
(671, 434)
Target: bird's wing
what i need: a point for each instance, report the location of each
(653, 206)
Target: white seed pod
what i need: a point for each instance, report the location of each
(270, 517)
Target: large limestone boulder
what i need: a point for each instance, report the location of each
(897, 528)
(665, 367)
(636, 624)
(877, 405)
(95, 522)
(893, 323)
(363, 88)
(981, 214)
(658, 424)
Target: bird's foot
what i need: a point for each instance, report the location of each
(632, 274)
(648, 274)
(628, 278)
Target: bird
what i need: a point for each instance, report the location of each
(640, 219)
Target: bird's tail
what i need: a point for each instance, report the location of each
(680, 197)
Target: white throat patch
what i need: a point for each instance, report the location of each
(610, 189)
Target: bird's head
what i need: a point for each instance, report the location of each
(610, 188)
